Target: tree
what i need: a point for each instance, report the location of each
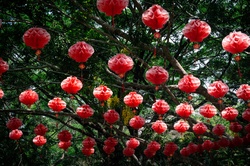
(72, 21)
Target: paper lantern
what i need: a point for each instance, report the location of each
(1, 93)
(159, 126)
(219, 129)
(102, 93)
(217, 89)
(184, 110)
(208, 110)
(154, 145)
(64, 136)
(229, 113)
(181, 126)
(196, 31)
(133, 99)
(4, 66)
(236, 142)
(185, 152)
(235, 127)
(64, 145)
(39, 140)
(199, 128)
(111, 142)
(189, 83)
(223, 142)
(84, 111)
(149, 153)
(111, 7)
(243, 92)
(111, 116)
(160, 107)
(132, 143)
(40, 129)
(192, 148)
(128, 151)
(120, 64)
(14, 123)
(57, 104)
(88, 142)
(207, 145)
(71, 85)
(15, 134)
(137, 122)
(81, 52)
(28, 97)
(169, 149)
(108, 149)
(88, 151)
(157, 75)
(246, 114)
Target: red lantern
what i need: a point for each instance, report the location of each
(64, 145)
(219, 129)
(81, 52)
(128, 151)
(15, 134)
(36, 38)
(192, 148)
(111, 116)
(157, 75)
(57, 104)
(149, 153)
(236, 142)
(246, 114)
(184, 110)
(1, 93)
(160, 107)
(137, 122)
(181, 126)
(159, 126)
(199, 128)
(28, 97)
(39, 140)
(217, 89)
(64, 136)
(235, 127)
(185, 152)
(155, 17)
(133, 99)
(208, 110)
(108, 149)
(88, 151)
(247, 128)
(102, 93)
(3, 67)
(84, 111)
(120, 64)
(236, 42)
(111, 142)
(154, 146)
(189, 83)
(207, 145)
(111, 7)
(243, 92)
(132, 143)
(196, 31)
(40, 130)
(71, 85)
(88, 142)
(14, 123)
(169, 149)
(229, 113)
(223, 142)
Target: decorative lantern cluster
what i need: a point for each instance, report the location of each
(28, 97)
(14, 124)
(40, 131)
(36, 38)
(131, 145)
(196, 31)
(109, 145)
(65, 139)
(88, 146)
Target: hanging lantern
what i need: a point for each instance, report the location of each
(219, 129)
(128, 152)
(132, 143)
(196, 31)
(14, 123)
(159, 126)
(243, 92)
(111, 116)
(88, 142)
(111, 7)
(184, 110)
(229, 113)
(192, 148)
(133, 99)
(189, 83)
(3, 67)
(120, 64)
(28, 97)
(236, 42)
(236, 142)
(71, 85)
(84, 111)
(235, 127)
(88, 151)
(81, 52)
(223, 142)
(185, 152)
(137, 122)
(157, 75)
(217, 89)
(102, 93)
(207, 145)
(111, 142)
(247, 128)
(108, 149)
(149, 153)
(181, 126)
(40, 129)
(246, 114)
(64, 136)
(160, 107)
(15, 134)
(199, 128)
(155, 17)
(154, 146)
(208, 110)
(57, 104)
(169, 149)
(36, 38)
(39, 140)
(64, 145)
(1, 93)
